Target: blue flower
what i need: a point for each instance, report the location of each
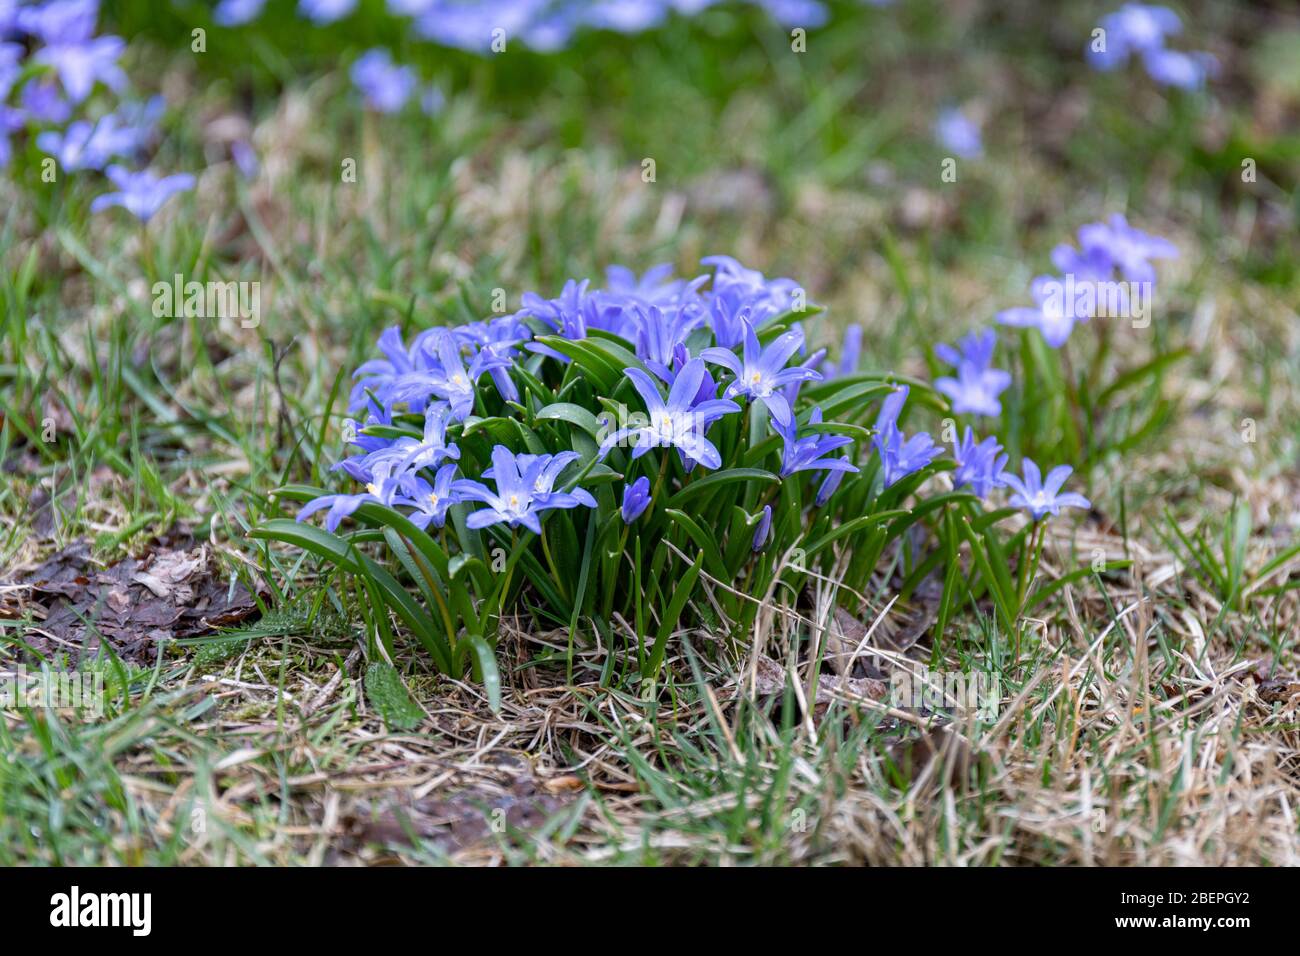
(82, 63)
(796, 13)
(381, 490)
(245, 159)
(1041, 497)
(431, 501)
(808, 453)
(72, 148)
(739, 294)
(570, 315)
(142, 194)
(656, 286)
(1133, 28)
(385, 86)
(60, 21)
(539, 473)
(1092, 264)
(977, 386)
(659, 333)
(1186, 71)
(958, 134)
(832, 483)
(550, 32)
(1138, 29)
(446, 377)
(433, 449)
(381, 375)
(681, 422)
(1051, 314)
(467, 26)
(850, 354)
(978, 465)
(232, 13)
(11, 121)
(499, 339)
(514, 501)
(44, 103)
(89, 146)
(1128, 248)
(900, 457)
(763, 373)
(11, 55)
(623, 16)
(322, 12)
(763, 531)
(636, 498)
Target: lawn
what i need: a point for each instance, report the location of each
(1117, 683)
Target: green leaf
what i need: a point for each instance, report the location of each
(344, 555)
(391, 431)
(1047, 590)
(321, 543)
(681, 594)
(574, 415)
(386, 694)
(852, 527)
(1150, 369)
(717, 480)
(486, 664)
(599, 366)
(703, 539)
(853, 398)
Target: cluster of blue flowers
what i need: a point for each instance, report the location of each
(1138, 30)
(542, 25)
(980, 465)
(700, 341)
(386, 87)
(438, 374)
(1107, 251)
(44, 92)
(977, 386)
(482, 26)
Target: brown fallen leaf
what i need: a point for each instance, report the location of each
(564, 784)
(770, 681)
(843, 637)
(469, 817)
(1277, 691)
(136, 604)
